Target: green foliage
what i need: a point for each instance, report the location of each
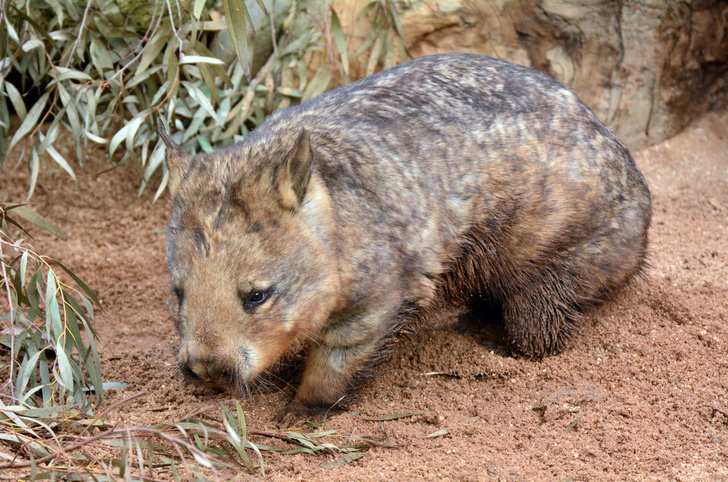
(103, 70)
(48, 347)
(385, 36)
(50, 362)
(100, 72)
(191, 448)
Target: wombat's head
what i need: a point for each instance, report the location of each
(248, 248)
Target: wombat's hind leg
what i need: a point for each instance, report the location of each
(540, 318)
(483, 308)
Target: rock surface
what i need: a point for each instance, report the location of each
(646, 67)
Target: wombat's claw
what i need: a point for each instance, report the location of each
(286, 416)
(296, 411)
(293, 413)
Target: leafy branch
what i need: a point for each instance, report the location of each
(50, 361)
(190, 446)
(215, 69)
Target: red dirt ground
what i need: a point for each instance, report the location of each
(642, 394)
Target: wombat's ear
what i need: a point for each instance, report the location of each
(296, 172)
(178, 160)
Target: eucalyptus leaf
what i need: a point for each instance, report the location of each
(80, 283)
(376, 29)
(154, 47)
(61, 161)
(31, 119)
(155, 160)
(235, 15)
(35, 218)
(66, 74)
(340, 41)
(204, 102)
(262, 6)
(54, 324)
(218, 69)
(26, 371)
(162, 186)
(65, 372)
(319, 83)
(367, 8)
(100, 56)
(34, 170)
(16, 99)
(124, 133)
(58, 10)
(204, 144)
(290, 92)
(31, 44)
(194, 59)
(394, 18)
(70, 105)
(95, 138)
(375, 53)
(23, 267)
(197, 9)
(51, 134)
(207, 77)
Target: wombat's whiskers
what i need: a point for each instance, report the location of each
(270, 386)
(315, 340)
(442, 181)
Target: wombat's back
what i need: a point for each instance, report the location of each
(454, 177)
(475, 169)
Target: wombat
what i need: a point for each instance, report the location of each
(447, 179)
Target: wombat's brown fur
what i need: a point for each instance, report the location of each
(450, 177)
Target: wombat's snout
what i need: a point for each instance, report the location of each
(336, 223)
(201, 363)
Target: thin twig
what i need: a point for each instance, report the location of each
(174, 28)
(287, 438)
(12, 318)
(64, 451)
(271, 16)
(109, 409)
(147, 36)
(80, 33)
(194, 413)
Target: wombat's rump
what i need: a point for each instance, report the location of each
(452, 177)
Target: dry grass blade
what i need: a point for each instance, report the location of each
(308, 441)
(343, 460)
(197, 447)
(394, 416)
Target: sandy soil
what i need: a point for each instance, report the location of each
(642, 394)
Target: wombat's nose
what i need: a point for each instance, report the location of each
(202, 362)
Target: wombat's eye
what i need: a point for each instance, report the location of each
(255, 298)
(258, 297)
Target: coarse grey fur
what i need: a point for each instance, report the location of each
(441, 180)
